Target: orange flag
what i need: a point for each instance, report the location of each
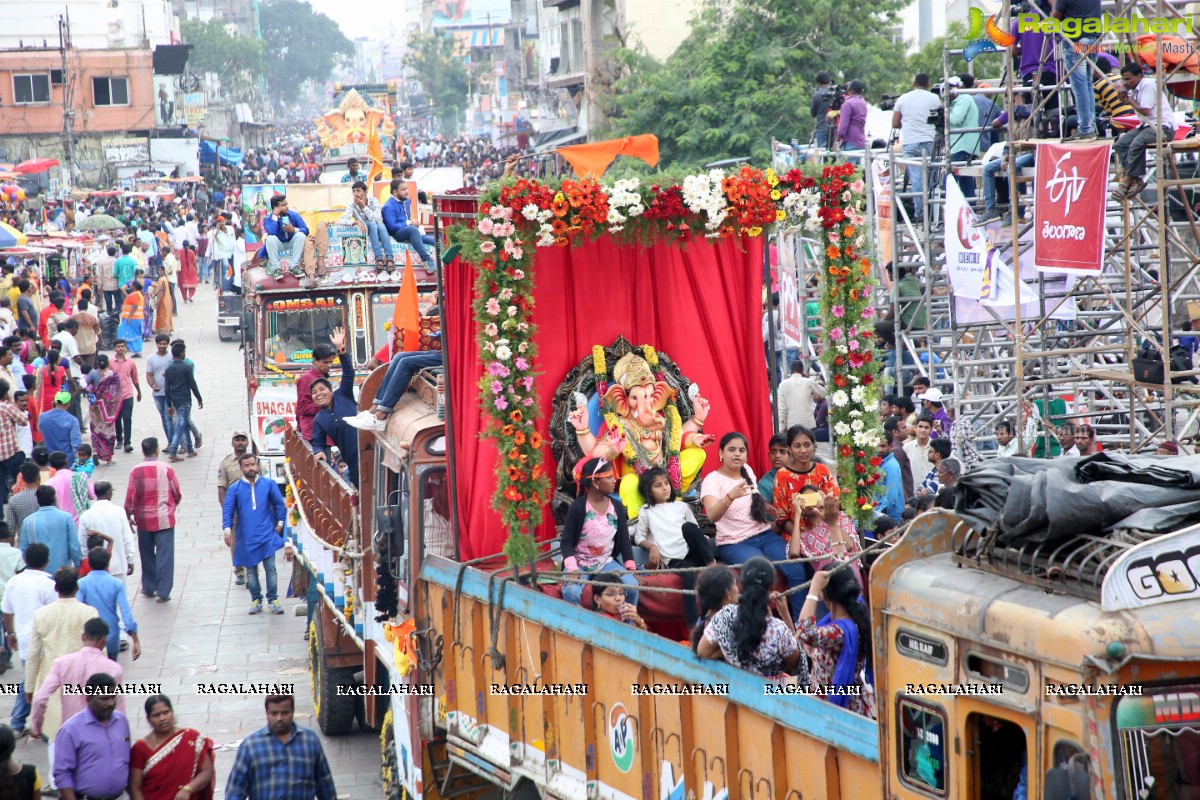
(375, 153)
(406, 318)
(590, 160)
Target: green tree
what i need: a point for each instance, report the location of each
(442, 75)
(929, 59)
(744, 75)
(237, 60)
(299, 45)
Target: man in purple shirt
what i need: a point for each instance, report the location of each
(935, 407)
(852, 120)
(91, 759)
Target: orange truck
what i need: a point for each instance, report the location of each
(998, 674)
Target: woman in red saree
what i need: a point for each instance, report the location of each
(51, 378)
(170, 763)
(189, 279)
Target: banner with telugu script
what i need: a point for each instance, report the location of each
(1070, 190)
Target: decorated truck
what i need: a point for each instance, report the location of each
(286, 321)
(1071, 671)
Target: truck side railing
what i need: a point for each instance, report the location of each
(330, 504)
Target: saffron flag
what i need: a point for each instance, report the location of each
(1070, 190)
(406, 318)
(375, 153)
(590, 160)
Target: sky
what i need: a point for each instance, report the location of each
(370, 18)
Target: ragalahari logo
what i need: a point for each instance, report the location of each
(984, 37)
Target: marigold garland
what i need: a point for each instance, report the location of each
(517, 215)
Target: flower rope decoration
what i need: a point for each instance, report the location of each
(516, 216)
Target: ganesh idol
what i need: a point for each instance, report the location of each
(643, 429)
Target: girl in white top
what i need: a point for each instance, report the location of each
(668, 529)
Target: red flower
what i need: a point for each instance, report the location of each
(861, 454)
(868, 379)
(860, 469)
(876, 461)
(844, 451)
(862, 501)
(840, 381)
(522, 514)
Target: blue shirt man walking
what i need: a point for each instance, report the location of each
(105, 592)
(257, 508)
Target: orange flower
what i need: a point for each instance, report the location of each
(832, 253)
(507, 430)
(515, 475)
(515, 416)
(561, 242)
(535, 440)
(848, 230)
(519, 439)
(833, 271)
(559, 208)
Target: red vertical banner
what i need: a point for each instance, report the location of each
(1070, 189)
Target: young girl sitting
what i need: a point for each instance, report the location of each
(608, 597)
(668, 529)
(596, 531)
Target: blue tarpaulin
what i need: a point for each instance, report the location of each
(209, 153)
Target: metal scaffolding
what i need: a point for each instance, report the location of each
(993, 368)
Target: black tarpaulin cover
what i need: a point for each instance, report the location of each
(1039, 501)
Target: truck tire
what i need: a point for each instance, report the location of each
(334, 712)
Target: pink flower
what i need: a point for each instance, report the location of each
(491, 330)
(856, 186)
(521, 364)
(527, 382)
(493, 307)
(836, 334)
(497, 387)
(487, 247)
(486, 226)
(527, 402)
(838, 311)
(518, 275)
(495, 368)
(501, 404)
(868, 312)
(853, 333)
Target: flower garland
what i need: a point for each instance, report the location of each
(518, 216)
(830, 203)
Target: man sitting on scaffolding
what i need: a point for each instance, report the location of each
(1154, 113)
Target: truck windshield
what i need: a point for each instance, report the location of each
(383, 308)
(294, 325)
(1160, 742)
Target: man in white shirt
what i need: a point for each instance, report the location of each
(68, 348)
(797, 397)
(27, 591)
(223, 245)
(7, 322)
(109, 520)
(911, 116)
(24, 432)
(917, 449)
(1154, 113)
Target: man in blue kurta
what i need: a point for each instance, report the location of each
(256, 506)
(285, 233)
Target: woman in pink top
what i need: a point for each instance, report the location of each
(744, 522)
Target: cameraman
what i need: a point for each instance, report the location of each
(822, 101)
(964, 129)
(852, 121)
(911, 116)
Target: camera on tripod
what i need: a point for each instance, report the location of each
(835, 96)
(888, 102)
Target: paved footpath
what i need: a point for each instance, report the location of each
(204, 634)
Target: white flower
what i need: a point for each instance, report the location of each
(856, 412)
(530, 211)
(841, 429)
(522, 347)
(615, 228)
(544, 215)
(503, 353)
(858, 394)
(511, 311)
(843, 349)
(856, 425)
(839, 398)
(635, 210)
(506, 295)
(615, 217)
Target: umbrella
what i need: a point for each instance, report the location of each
(100, 222)
(8, 175)
(35, 165)
(11, 237)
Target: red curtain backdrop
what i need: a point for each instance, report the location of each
(702, 306)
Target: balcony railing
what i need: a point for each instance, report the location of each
(328, 503)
